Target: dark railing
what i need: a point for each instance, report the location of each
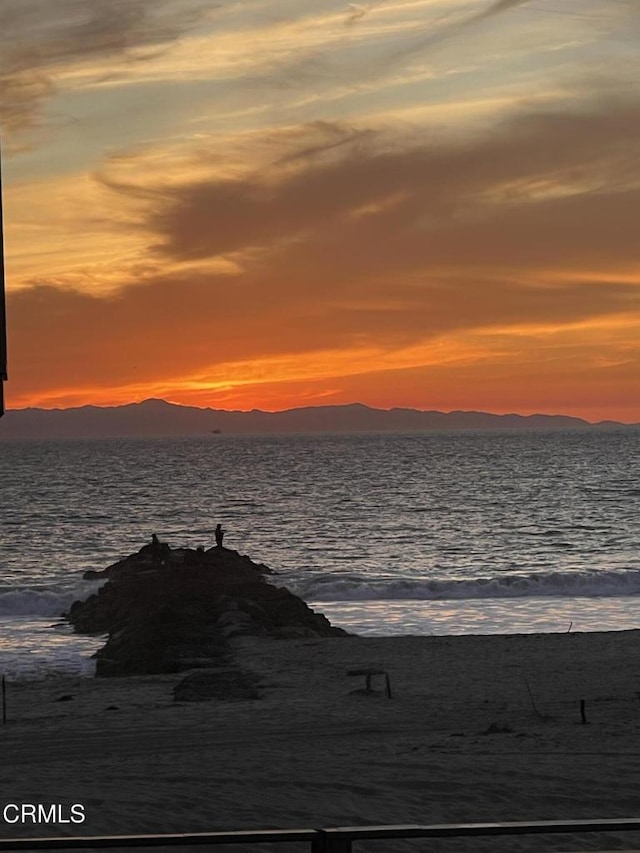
(187, 839)
(338, 839)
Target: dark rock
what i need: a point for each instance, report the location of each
(295, 632)
(146, 559)
(235, 623)
(223, 683)
(164, 610)
(160, 639)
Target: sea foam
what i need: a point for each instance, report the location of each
(574, 584)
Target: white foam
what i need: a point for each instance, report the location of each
(576, 584)
(34, 648)
(42, 602)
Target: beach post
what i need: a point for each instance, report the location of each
(4, 700)
(582, 711)
(388, 684)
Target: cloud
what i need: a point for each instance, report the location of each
(355, 243)
(542, 189)
(498, 7)
(356, 11)
(365, 254)
(38, 38)
(441, 30)
(256, 340)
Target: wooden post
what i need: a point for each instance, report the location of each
(4, 701)
(388, 683)
(533, 702)
(582, 711)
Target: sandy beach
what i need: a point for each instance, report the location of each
(478, 729)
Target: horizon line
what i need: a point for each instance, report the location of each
(321, 406)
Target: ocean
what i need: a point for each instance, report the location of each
(431, 533)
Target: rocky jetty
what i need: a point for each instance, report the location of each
(170, 610)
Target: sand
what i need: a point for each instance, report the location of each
(479, 729)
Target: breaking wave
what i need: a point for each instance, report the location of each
(40, 602)
(569, 584)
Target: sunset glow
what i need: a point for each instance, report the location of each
(422, 203)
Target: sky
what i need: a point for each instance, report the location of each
(278, 203)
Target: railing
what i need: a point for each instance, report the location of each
(259, 836)
(331, 840)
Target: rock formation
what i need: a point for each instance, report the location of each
(169, 610)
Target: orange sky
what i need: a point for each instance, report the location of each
(426, 203)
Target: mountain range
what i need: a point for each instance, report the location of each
(159, 418)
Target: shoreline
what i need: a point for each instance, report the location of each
(33, 643)
(480, 728)
(483, 616)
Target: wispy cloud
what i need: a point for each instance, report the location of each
(441, 29)
(345, 169)
(345, 247)
(39, 38)
(356, 11)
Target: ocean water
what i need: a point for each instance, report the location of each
(487, 532)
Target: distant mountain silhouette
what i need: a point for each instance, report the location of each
(159, 418)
